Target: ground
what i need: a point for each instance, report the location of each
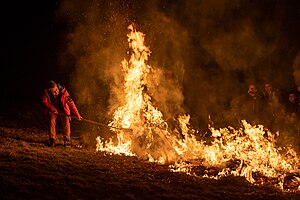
(30, 169)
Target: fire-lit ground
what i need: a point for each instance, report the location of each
(30, 169)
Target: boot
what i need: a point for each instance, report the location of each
(67, 143)
(52, 142)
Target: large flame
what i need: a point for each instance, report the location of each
(141, 131)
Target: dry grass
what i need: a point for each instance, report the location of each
(29, 169)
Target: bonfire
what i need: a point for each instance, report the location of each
(141, 131)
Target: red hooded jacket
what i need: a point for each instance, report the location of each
(66, 100)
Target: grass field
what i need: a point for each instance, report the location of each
(30, 169)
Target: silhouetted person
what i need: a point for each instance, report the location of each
(291, 107)
(290, 126)
(298, 101)
(248, 106)
(271, 106)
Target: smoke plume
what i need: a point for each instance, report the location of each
(204, 53)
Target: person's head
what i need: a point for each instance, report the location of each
(292, 97)
(268, 87)
(52, 88)
(252, 90)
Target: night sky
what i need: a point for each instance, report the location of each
(213, 48)
(31, 40)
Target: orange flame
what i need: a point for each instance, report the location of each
(142, 132)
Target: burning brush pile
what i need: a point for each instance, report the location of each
(141, 131)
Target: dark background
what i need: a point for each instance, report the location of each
(30, 44)
(36, 43)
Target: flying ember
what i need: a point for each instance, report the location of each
(141, 131)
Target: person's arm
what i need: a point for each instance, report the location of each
(47, 103)
(72, 106)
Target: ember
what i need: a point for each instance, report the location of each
(249, 151)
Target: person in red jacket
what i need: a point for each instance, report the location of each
(59, 103)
